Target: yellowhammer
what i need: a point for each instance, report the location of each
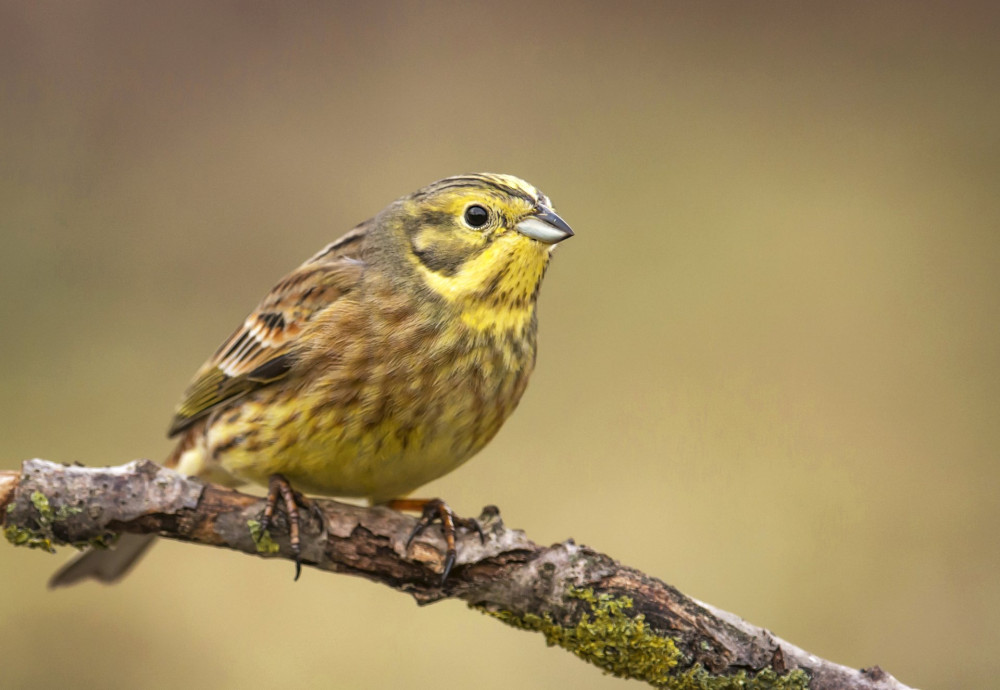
(385, 361)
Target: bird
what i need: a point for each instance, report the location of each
(385, 361)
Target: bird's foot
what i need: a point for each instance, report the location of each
(435, 510)
(291, 500)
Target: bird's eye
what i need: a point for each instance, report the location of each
(476, 216)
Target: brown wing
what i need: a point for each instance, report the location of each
(264, 348)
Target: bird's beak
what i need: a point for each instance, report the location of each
(545, 226)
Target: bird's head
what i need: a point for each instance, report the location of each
(479, 235)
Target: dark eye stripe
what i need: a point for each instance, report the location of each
(440, 262)
(429, 219)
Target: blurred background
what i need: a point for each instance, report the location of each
(768, 368)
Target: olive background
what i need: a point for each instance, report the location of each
(768, 368)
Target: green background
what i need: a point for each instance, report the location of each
(768, 368)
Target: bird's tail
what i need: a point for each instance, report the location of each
(104, 565)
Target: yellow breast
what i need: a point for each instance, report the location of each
(383, 418)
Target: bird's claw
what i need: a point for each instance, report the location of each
(436, 510)
(291, 500)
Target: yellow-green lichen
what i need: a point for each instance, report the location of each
(33, 539)
(18, 536)
(627, 647)
(46, 516)
(101, 541)
(261, 538)
(698, 678)
(42, 538)
(41, 503)
(622, 645)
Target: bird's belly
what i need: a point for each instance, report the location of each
(366, 442)
(377, 464)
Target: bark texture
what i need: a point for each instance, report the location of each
(613, 616)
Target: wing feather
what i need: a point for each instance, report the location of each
(265, 347)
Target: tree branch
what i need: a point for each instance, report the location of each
(613, 616)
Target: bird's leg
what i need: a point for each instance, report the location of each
(278, 486)
(433, 510)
